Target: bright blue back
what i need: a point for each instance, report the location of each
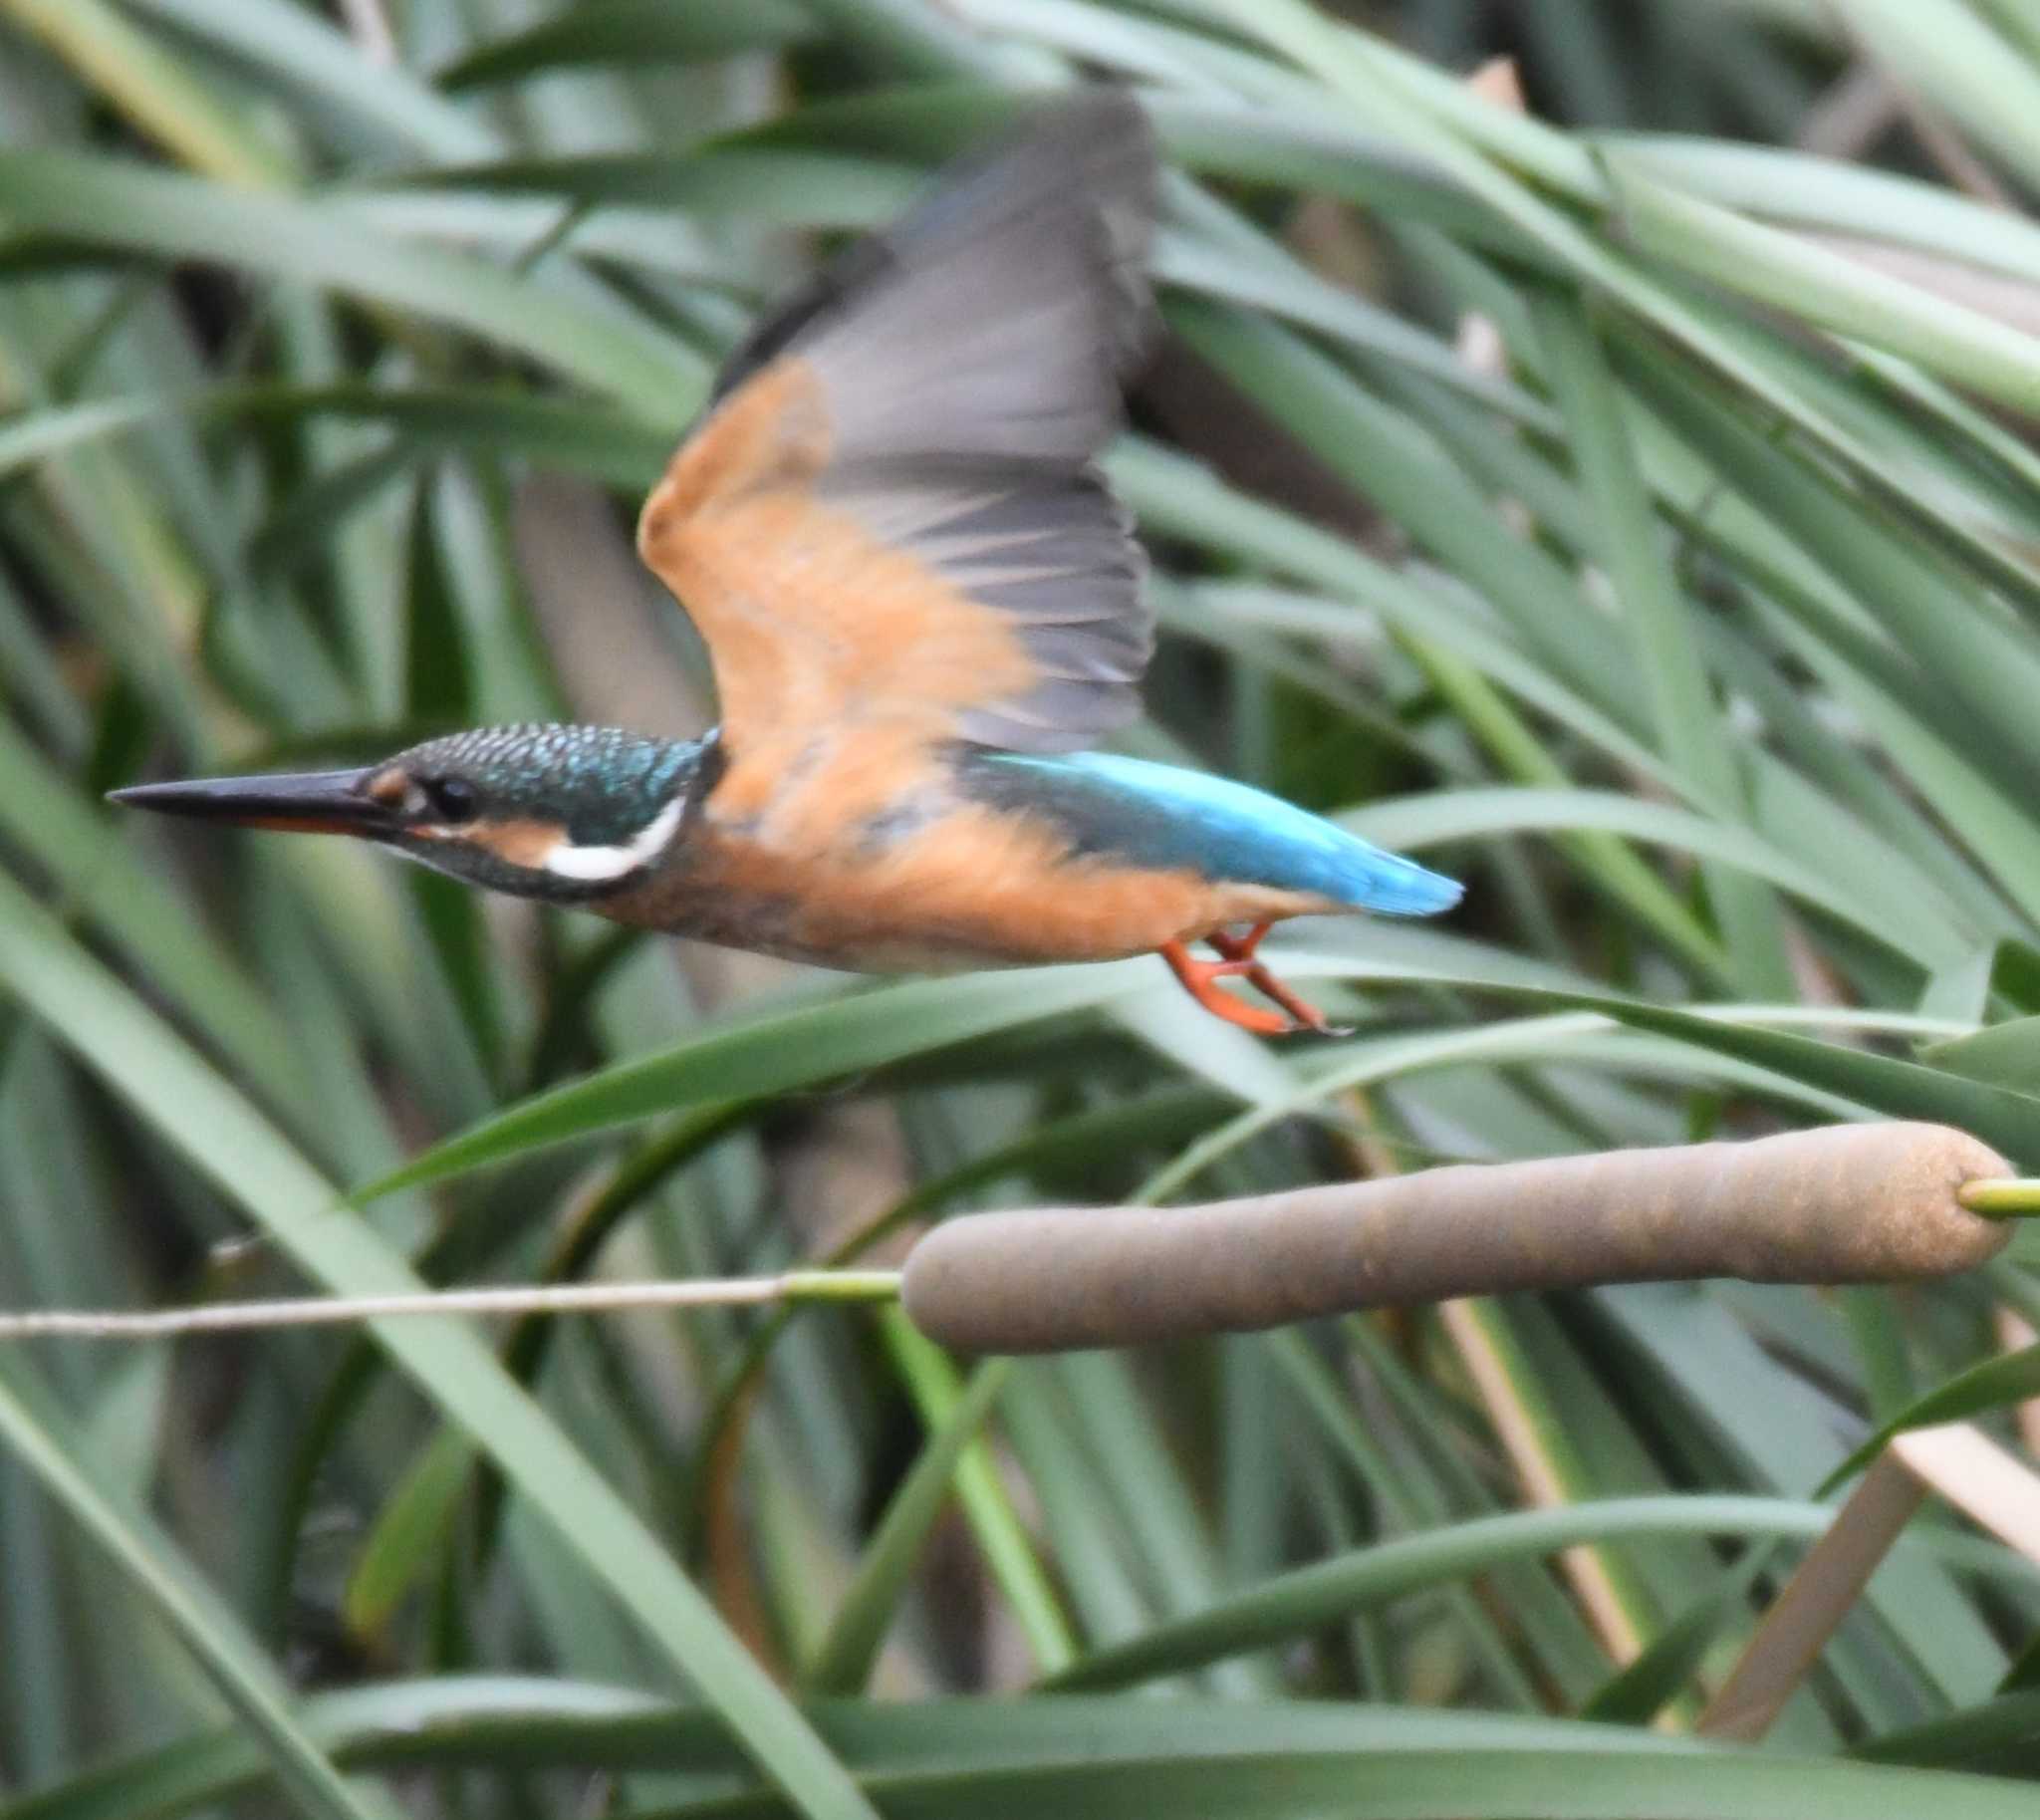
(1164, 817)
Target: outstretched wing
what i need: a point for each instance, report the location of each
(890, 520)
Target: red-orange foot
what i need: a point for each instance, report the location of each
(1236, 960)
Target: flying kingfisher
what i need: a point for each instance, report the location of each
(922, 603)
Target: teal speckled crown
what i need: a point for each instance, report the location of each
(601, 784)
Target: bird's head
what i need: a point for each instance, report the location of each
(563, 813)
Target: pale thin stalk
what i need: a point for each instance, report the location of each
(1480, 1338)
(1980, 1478)
(2014, 1334)
(1822, 1593)
(511, 1299)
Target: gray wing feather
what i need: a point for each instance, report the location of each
(973, 360)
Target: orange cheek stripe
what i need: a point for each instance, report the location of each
(522, 843)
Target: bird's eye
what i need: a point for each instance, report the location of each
(452, 799)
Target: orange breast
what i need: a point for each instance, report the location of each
(971, 888)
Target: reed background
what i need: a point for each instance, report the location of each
(1628, 503)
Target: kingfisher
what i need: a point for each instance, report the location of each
(923, 607)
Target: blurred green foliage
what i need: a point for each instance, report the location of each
(1629, 504)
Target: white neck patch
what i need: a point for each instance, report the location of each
(592, 864)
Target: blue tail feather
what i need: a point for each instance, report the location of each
(1165, 816)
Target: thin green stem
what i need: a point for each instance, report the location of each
(2012, 1197)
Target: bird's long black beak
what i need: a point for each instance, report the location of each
(304, 802)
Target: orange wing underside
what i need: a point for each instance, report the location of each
(832, 650)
